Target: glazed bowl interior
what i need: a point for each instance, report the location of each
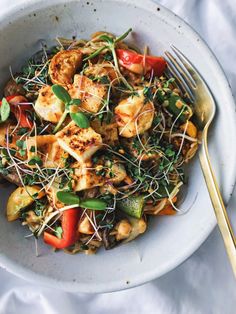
(169, 240)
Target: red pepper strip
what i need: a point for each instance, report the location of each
(141, 64)
(20, 110)
(70, 235)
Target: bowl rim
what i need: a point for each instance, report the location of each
(24, 273)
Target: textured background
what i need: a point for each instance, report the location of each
(204, 283)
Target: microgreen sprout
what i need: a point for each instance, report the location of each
(78, 117)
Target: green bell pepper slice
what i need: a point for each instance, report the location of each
(132, 206)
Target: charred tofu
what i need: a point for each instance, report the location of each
(48, 149)
(79, 143)
(109, 132)
(91, 94)
(48, 106)
(85, 177)
(134, 115)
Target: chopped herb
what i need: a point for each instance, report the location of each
(22, 131)
(21, 144)
(35, 161)
(147, 92)
(84, 247)
(108, 57)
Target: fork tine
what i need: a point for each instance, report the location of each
(181, 69)
(180, 81)
(186, 63)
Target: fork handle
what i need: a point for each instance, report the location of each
(218, 204)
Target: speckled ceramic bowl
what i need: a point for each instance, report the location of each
(169, 240)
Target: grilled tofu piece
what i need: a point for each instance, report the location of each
(63, 66)
(91, 94)
(109, 132)
(134, 115)
(79, 143)
(85, 177)
(48, 106)
(48, 149)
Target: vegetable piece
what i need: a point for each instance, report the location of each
(20, 110)
(132, 205)
(21, 198)
(141, 64)
(69, 234)
(178, 108)
(64, 65)
(4, 110)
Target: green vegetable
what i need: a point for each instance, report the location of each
(68, 198)
(61, 93)
(75, 102)
(35, 161)
(21, 144)
(80, 119)
(58, 232)
(22, 131)
(95, 204)
(162, 190)
(132, 206)
(4, 110)
(177, 111)
(72, 199)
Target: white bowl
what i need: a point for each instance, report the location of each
(169, 240)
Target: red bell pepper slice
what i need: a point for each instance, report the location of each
(20, 111)
(141, 64)
(70, 235)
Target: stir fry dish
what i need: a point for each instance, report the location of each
(95, 135)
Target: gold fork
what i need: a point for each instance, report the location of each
(192, 84)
